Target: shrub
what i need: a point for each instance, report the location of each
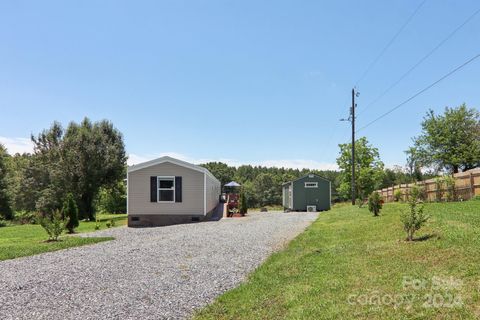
(70, 213)
(3, 223)
(451, 189)
(439, 181)
(243, 203)
(112, 222)
(414, 218)
(375, 203)
(476, 198)
(108, 224)
(397, 195)
(53, 225)
(26, 217)
(97, 226)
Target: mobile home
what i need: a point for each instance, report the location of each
(169, 191)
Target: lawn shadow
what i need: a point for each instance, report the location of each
(427, 237)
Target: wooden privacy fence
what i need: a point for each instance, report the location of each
(467, 186)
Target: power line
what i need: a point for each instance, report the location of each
(441, 43)
(374, 62)
(420, 92)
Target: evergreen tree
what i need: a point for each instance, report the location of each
(70, 212)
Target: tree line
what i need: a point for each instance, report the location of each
(88, 160)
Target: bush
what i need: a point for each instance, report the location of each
(70, 213)
(3, 223)
(375, 203)
(108, 224)
(243, 203)
(414, 218)
(26, 217)
(451, 189)
(439, 181)
(112, 222)
(397, 195)
(476, 198)
(53, 225)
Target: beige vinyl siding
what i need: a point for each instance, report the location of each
(213, 193)
(192, 191)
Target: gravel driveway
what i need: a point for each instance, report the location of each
(152, 273)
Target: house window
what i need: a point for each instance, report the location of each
(166, 189)
(311, 184)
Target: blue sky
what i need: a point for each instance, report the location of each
(259, 82)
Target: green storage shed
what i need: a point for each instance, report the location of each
(308, 193)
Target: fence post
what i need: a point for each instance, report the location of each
(472, 186)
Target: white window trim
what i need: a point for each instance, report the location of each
(314, 185)
(158, 188)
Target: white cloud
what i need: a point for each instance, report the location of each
(17, 145)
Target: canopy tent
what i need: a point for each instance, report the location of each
(233, 184)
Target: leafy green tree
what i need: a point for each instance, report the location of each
(53, 224)
(368, 169)
(70, 213)
(375, 203)
(46, 173)
(94, 156)
(112, 199)
(79, 160)
(5, 202)
(221, 171)
(450, 141)
(267, 189)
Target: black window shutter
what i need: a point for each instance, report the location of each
(153, 189)
(178, 189)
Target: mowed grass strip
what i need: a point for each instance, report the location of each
(26, 240)
(350, 265)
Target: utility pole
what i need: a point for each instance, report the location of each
(352, 117)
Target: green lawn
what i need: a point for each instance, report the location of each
(26, 240)
(350, 265)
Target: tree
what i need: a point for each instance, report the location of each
(268, 190)
(243, 203)
(52, 224)
(70, 213)
(414, 218)
(5, 203)
(450, 141)
(112, 199)
(374, 203)
(368, 169)
(221, 171)
(79, 160)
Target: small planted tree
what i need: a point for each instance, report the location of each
(375, 203)
(53, 225)
(451, 189)
(414, 218)
(439, 181)
(70, 213)
(243, 203)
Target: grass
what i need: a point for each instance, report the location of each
(26, 240)
(350, 265)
